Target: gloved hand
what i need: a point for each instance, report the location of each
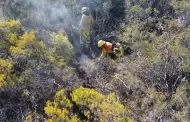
(116, 50)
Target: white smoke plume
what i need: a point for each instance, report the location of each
(42, 13)
(48, 14)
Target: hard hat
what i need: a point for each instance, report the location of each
(101, 43)
(84, 9)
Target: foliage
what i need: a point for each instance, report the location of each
(25, 64)
(151, 84)
(62, 48)
(180, 4)
(150, 79)
(93, 105)
(180, 103)
(32, 117)
(5, 69)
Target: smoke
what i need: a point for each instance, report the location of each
(49, 15)
(83, 58)
(38, 14)
(56, 14)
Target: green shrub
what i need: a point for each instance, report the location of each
(62, 50)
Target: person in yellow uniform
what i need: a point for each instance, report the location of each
(109, 49)
(86, 25)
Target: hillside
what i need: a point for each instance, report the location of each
(47, 75)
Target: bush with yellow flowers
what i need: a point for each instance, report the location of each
(5, 69)
(20, 46)
(84, 104)
(26, 63)
(10, 30)
(27, 44)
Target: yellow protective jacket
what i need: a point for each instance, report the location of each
(85, 27)
(86, 22)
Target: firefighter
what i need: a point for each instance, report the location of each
(109, 49)
(86, 25)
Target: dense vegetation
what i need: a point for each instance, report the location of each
(42, 77)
